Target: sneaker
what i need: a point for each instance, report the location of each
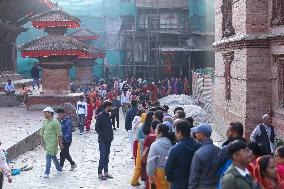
(73, 167)
(45, 176)
(114, 129)
(102, 177)
(59, 173)
(108, 176)
(81, 133)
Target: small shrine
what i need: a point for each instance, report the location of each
(84, 64)
(56, 53)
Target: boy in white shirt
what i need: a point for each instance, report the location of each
(81, 112)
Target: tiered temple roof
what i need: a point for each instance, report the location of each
(55, 19)
(84, 35)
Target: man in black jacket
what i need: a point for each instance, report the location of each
(130, 114)
(104, 128)
(35, 75)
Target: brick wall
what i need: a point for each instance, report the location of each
(84, 74)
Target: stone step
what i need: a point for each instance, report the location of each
(10, 100)
(7, 75)
(17, 83)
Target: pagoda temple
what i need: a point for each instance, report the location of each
(56, 52)
(84, 64)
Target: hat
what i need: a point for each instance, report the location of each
(60, 110)
(204, 128)
(48, 109)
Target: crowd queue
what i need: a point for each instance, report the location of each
(169, 152)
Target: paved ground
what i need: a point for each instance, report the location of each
(85, 153)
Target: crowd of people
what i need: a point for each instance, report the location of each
(169, 152)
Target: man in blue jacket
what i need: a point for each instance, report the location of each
(201, 173)
(104, 128)
(180, 156)
(66, 129)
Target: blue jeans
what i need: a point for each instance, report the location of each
(35, 82)
(81, 120)
(104, 157)
(48, 163)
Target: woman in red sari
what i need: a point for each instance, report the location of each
(266, 174)
(279, 158)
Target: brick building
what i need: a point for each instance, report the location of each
(249, 62)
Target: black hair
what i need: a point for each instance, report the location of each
(257, 149)
(159, 115)
(106, 104)
(158, 108)
(181, 114)
(164, 130)
(60, 110)
(146, 129)
(263, 164)
(238, 128)
(280, 151)
(140, 112)
(154, 124)
(88, 100)
(184, 127)
(178, 108)
(81, 97)
(236, 146)
(165, 108)
(152, 109)
(190, 120)
(133, 103)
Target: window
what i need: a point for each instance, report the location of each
(280, 81)
(227, 20)
(277, 12)
(228, 59)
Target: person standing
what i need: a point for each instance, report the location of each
(180, 156)
(104, 128)
(264, 134)
(4, 168)
(89, 117)
(51, 138)
(115, 112)
(237, 176)
(130, 114)
(81, 112)
(35, 75)
(201, 173)
(66, 130)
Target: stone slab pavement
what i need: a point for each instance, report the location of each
(84, 151)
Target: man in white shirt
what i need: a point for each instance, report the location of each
(81, 112)
(9, 88)
(237, 174)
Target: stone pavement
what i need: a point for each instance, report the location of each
(85, 153)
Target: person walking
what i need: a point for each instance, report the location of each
(115, 112)
(89, 116)
(51, 138)
(180, 156)
(66, 130)
(4, 168)
(103, 127)
(237, 176)
(35, 75)
(81, 112)
(129, 117)
(264, 134)
(201, 173)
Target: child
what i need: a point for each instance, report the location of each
(90, 109)
(4, 168)
(81, 112)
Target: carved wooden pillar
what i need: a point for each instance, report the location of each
(227, 20)
(277, 13)
(228, 59)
